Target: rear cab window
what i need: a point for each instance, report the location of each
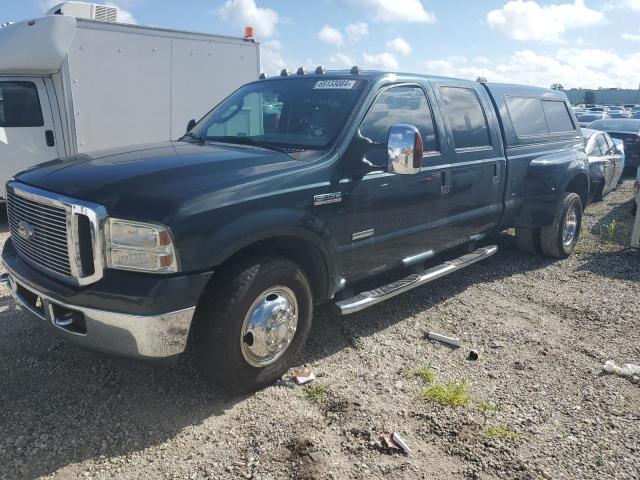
(20, 105)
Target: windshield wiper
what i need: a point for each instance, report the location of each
(247, 141)
(200, 140)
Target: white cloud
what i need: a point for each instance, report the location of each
(633, 5)
(340, 60)
(618, 5)
(381, 61)
(246, 12)
(573, 67)
(398, 11)
(635, 37)
(357, 31)
(527, 20)
(331, 35)
(398, 45)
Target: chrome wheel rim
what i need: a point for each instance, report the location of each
(269, 326)
(570, 226)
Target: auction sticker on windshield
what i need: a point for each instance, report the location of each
(335, 84)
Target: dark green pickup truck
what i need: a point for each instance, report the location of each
(294, 191)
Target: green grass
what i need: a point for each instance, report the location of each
(424, 373)
(454, 394)
(487, 407)
(502, 432)
(316, 393)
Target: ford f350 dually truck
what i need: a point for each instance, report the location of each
(291, 192)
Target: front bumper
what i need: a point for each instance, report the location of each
(135, 336)
(124, 314)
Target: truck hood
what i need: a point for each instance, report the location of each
(160, 176)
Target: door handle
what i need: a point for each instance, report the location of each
(49, 137)
(444, 185)
(496, 177)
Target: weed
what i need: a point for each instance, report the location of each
(424, 373)
(316, 393)
(453, 394)
(502, 432)
(612, 229)
(486, 407)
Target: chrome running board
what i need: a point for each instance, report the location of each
(367, 299)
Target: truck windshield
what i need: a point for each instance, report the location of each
(305, 113)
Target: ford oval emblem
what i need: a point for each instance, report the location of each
(25, 230)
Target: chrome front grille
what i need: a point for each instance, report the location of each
(47, 244)
(48, 232)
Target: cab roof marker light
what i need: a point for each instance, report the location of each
(284, 72)
(355, 70)
(262, 76)
(300, 71)
(320, 70)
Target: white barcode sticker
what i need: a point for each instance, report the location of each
(335, 84)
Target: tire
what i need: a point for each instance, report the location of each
(528, 239)
(599, 196)
(224, 353)
(555, 240)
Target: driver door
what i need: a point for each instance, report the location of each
(396, 218)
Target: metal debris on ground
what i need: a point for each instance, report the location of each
(395, 442)
(303, 376)
(455, 342)
(627, 370)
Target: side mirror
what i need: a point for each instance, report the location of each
(191, 124)
(405, 150)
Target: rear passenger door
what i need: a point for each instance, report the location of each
(477, 168)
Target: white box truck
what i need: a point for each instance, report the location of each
(70, 85)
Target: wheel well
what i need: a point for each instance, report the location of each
(298, 250)
(580, 185)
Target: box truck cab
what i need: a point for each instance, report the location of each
(70, 85)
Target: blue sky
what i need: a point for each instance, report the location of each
(579, 43)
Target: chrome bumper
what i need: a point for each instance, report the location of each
(135, 336)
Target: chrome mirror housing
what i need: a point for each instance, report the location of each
(405, 150)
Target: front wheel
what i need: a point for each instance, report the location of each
(253, 322)
(559, 239)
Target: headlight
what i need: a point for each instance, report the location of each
(138, 246)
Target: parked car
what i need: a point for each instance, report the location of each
(627, 130)
(230, 236)
(585, 119)
(605, 163)
(72, 85)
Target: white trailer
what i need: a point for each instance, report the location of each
(70, 85)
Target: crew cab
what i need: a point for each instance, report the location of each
(294, 191)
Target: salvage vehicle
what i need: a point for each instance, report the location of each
(221, 243)
(605, 163)
(76, 80)
(627, 130)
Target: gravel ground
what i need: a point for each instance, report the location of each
(538, 405)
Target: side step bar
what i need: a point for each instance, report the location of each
(367, 299)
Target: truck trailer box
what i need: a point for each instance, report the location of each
(71, 85)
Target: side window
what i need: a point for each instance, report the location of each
(602, 145)
(20, 105)
(400, 105)
(592, 147)
(611, 147)
(558, 117)
(466, 117)
(527, 116)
